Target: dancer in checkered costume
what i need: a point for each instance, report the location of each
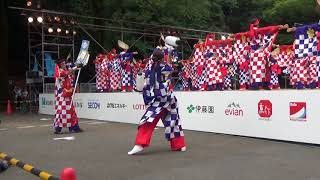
(312, 72)
(102, 73)
(65, 114)
(261, 45)
(115, 73)
(274, 72)
(162, 104)
(170, 54)
(227, 82)
(186, 74)
(168, 46)
(300, 73)
(225, 58)
(241, 57)
(212, 68)
(183, 78)
(306, 50)
(126, 73)
(199, 79)
(284, 56)
(229, 78)
(306, 41)
(99, 76)
(104, 68)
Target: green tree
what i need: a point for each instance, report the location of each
(290, 12)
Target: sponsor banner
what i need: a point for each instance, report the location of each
(234, 110)
(265, 110)
(46, 104)
(283, 115)
(298, 111)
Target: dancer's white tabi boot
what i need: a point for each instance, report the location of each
(135, 150)
(183, 149)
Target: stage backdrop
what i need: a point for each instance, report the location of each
(283, 115)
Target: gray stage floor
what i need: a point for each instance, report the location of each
(101, 153)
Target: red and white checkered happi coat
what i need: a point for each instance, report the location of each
(240, 51)
(225, 53)
(65, 114)
(285, 56)
(299, 71)
(285, 59)
(312, 70)
(226, 60)
(102, 73)
(187, 72)
(199, 62)
(258, 69)
(259, 58)
(240, 55)
(214, 73)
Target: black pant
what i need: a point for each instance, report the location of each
(72, 128)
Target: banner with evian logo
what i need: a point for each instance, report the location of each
(290, 115)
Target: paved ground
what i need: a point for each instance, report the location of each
(101, 153)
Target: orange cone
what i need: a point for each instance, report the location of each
(9, 108)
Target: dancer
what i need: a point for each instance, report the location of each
(115, 71)
(162, 104)
(65, 114)
(126, 58)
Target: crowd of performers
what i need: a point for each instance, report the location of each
(116, 72)
(251, 57)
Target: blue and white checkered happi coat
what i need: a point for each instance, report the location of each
(158, 96)
(126, 70)
(306, 41)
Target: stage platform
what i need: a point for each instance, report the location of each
(290, 115)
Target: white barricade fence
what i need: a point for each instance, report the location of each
(290, 115)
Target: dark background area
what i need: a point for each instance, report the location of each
(4, 52)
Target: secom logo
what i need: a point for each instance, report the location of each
(93, 105)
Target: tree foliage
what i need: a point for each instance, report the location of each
(218, 15)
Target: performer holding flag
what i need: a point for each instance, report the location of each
(65, 85)
(65, 114)
(162, 104)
